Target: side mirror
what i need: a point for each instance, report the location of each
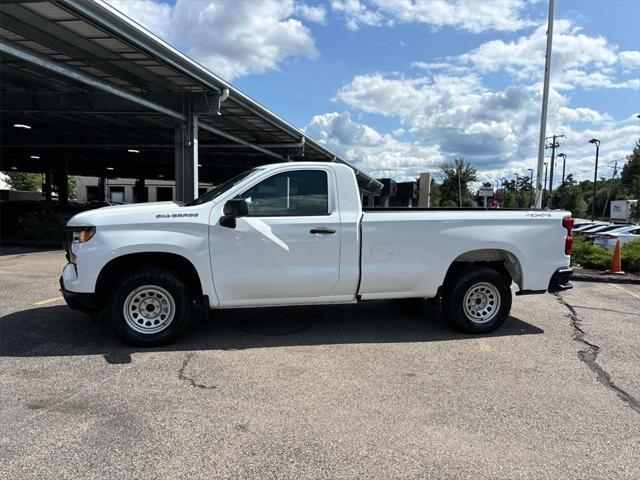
(234, 208)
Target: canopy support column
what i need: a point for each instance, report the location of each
(186, 159)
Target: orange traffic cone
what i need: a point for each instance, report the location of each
(616, 261)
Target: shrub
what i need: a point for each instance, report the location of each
(590, 256)
(41, 226)
(631, 256)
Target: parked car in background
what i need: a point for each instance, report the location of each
(591, 234)
(609, 239)
(594, 228)
(581, 227)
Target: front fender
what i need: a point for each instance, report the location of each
(189, 241)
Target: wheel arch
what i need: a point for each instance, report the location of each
(174, 263)
(501, 260)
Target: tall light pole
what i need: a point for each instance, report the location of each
(545, 178)
(564, 160)
(459, 187)
(530, 186)
(596, 142)
(545, 104)
(613, 178)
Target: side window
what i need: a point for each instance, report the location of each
(296, 193)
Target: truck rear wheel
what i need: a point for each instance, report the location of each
(477, 300)
(150, 307)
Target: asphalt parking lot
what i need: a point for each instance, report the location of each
(377, 390)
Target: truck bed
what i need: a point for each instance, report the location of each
(408, 251)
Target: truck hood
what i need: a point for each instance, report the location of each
(123, 214)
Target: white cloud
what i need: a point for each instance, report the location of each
(578, 60)
(357, 13)
(496, 130)
(629, 60)
(231, 38)
(445, 67)
(458, 114)
(583, 115)
(154, 16)
(315, 14)
(379, 154)
(450, 106)
(471, 15)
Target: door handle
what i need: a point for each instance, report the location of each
(322, 231)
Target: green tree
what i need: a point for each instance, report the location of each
(73, 187)
(435, 192)
(456, 176)
(507, 197)
(569, 197)
(630, 175)
(31, 182)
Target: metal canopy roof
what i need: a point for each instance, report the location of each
(93, 84)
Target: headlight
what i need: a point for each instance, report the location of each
(82, 234)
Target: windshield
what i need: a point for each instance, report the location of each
(223, 187)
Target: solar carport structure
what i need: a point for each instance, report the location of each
(87, 91)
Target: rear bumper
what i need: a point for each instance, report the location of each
(84, 302)
(560, 280)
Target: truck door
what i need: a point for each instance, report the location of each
(287, 248)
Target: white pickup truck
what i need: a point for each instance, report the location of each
(296, 233)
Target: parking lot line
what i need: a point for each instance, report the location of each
(618, 287)
(49, 300)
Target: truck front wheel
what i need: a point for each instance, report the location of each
(149, 307)
(477, 300)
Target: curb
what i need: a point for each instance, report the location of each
(603, 278)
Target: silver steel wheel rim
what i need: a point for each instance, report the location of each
(149, 309)
(482, 302)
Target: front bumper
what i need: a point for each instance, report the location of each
(84, 302)
(560, 280)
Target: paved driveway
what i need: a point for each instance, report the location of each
(377, 390)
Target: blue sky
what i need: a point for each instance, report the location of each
(399, 86)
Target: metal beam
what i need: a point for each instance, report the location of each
(233, 138)
(47, 64)
(79, 101)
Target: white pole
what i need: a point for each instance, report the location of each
(545, 103)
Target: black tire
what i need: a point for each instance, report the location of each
(487, 296)
(164, 292)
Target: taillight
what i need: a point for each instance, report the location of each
(607, 236)
(567, 222)
(568, 245)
